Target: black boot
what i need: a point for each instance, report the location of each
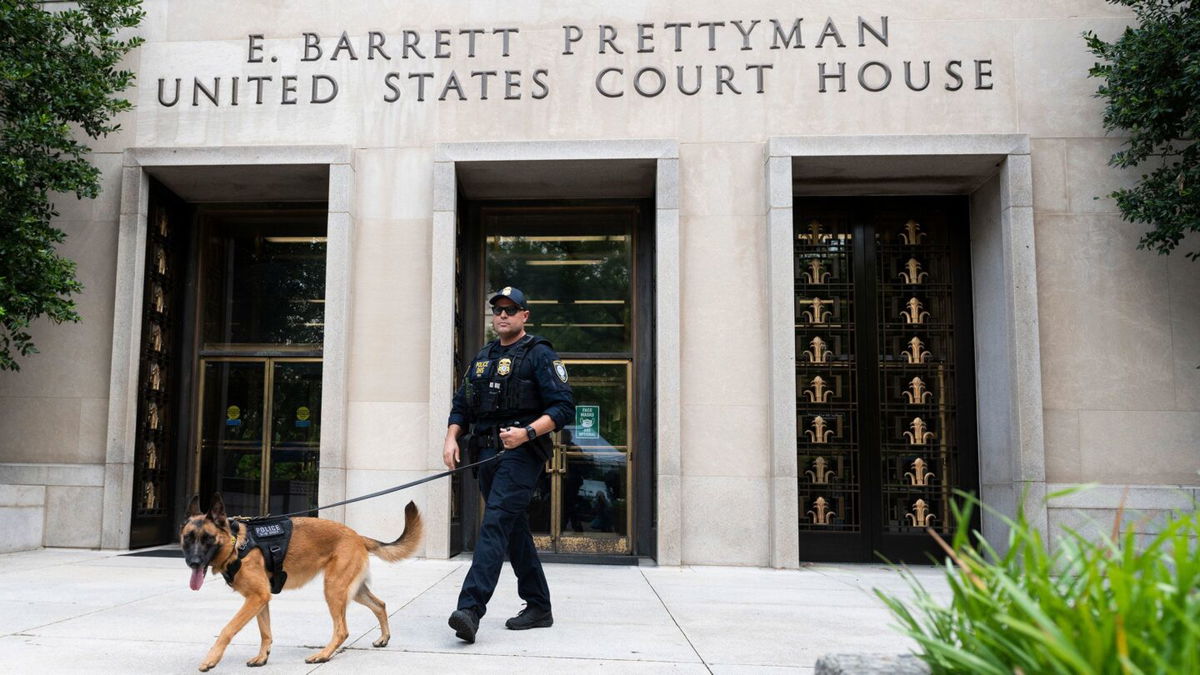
(530, 617)
(465, 622)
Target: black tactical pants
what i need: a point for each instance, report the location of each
(507, 486)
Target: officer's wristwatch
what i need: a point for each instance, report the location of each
(530, 432)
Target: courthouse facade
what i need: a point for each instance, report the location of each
(811, 269)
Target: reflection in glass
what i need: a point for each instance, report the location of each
(295, 436)
(579, 287)
(595, 494)
(231, 434)
(264, 288)
(231, 439)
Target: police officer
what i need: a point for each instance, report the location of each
(514, 394)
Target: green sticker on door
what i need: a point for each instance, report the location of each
(587, 421)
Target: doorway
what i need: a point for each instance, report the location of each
(258, 359)
(587, 269)
(885, 405)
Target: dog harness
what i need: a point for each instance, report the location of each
(270, 535)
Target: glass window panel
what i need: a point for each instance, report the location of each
(579, 285)
(595, 494)
(295, 436)
(231, 439)
(605, 386)
(264, 284)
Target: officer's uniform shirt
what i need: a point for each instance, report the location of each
(540, 364)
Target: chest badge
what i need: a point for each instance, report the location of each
(504, 367)
(481, 368)
(560, 370)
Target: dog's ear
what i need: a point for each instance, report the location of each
(193, 508)
(216, 512)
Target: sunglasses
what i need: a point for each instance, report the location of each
(510, 310)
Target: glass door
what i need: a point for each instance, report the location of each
(589, 476)
(259, 433)
(260, 331)
(576, 266)
(295, 425)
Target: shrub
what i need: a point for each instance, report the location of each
(1096, 604)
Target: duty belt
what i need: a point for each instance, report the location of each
(487, 438)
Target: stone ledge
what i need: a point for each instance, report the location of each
(870, 664)
(28, 473)
(898, 144)
(491, 151)
(237, 154)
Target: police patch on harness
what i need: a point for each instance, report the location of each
(504, 367)
(481, 367)
(561, 371)
(268, 530)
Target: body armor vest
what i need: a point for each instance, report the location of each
(496, 389)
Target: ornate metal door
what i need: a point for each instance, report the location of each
(157, 434)
(884, 374)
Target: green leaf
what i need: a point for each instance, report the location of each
(58, 87)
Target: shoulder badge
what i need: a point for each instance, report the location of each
(481, 368)
(560, 370)
(504, 367)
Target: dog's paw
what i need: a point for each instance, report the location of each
(257, 661)
(207, 666)
(381, 642)
(319, 657)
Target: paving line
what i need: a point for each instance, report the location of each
(675, 621)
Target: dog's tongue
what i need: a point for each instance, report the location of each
(197, 578)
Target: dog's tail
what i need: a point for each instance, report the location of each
(406, 545)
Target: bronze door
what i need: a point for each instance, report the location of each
(159, 436)
(884, 374)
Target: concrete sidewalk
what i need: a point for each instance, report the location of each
(92, 611)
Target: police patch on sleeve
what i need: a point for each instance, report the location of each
(560, 370)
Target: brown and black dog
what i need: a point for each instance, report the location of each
(316, 546)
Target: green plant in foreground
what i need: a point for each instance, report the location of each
(1096, 604)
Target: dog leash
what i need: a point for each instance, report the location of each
(396, 488)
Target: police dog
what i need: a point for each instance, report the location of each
(316, 546)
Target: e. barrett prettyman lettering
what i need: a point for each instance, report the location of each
(795, 38)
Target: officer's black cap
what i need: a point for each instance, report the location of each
(511, 293)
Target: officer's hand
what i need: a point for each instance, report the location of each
(450, 453)
(511, 437)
